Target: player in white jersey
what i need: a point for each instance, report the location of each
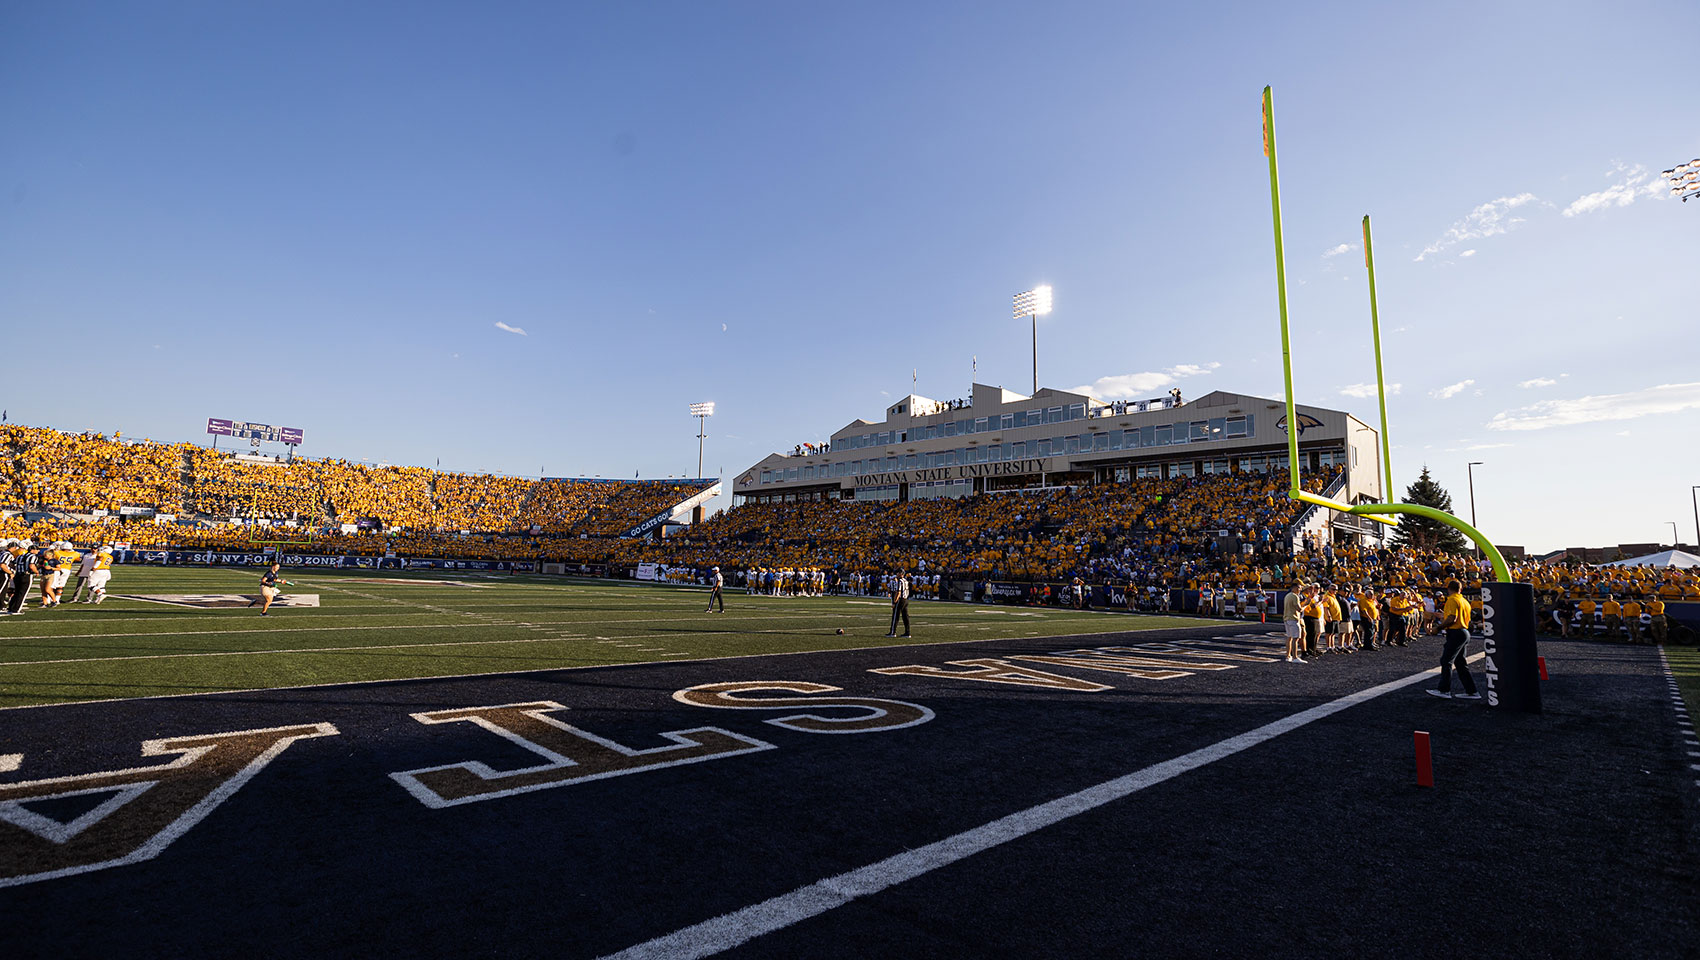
(99, 575)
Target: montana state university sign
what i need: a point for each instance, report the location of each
(1004, 468)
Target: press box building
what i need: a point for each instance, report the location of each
(1000, 440)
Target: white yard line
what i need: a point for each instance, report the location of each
(740, 926)
(597, 666)
(288, 650)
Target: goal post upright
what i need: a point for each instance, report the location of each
(1281, 291)
(1380, 380)
(1508, 612)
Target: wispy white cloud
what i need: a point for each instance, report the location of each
(1336, 251)
(1473, 447)
(1537, 382)
(1136, 385)
(1488, 220)
(1468, 253)
(1451, 390)
(1637, 182)
(502, 326)
(1662, 399)
(1362, 390)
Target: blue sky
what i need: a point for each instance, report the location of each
(324, 215)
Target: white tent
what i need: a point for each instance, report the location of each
(1667, 558)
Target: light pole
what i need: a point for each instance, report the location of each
(702, 411)
(1684, 180)
(1035, 303)
(1674, 540)
(1471, 470)
(1696, 498)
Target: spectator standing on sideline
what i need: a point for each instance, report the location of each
(1631, 610)
(899, 605)
(1293, 620)
(1313, 619)
(716, 588)
(1455, 621)
(1659, 625)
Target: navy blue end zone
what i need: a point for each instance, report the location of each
(389, 818)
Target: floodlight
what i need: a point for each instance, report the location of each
(1684, 179)
(702, 409)
(1033, 303)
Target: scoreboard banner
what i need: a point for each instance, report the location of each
(254, 431)
(269, 555)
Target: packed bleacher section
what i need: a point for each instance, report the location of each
(82, 474)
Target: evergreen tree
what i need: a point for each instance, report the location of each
(1421, 533)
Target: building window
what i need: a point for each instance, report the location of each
(767, 476)
(1100, 441)
(1234, 427)
(1053, 414)
(1182, 469)
(1008, 421)
(1163, 435)
(1077, 411)
(1044, 448)
(1150, 471)
(1198, 430)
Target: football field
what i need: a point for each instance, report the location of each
(493, 767)
(195, 633)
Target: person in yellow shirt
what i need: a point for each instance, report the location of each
(1656, 612)
(1613, 612)
(1585, 626)
(1313, 619)
(1370, 613)
(1333, 617)
(1398, 618)
(1631, 613)
(1455, 620)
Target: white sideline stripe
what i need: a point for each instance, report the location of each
(740, 926)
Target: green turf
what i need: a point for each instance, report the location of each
(366, 630)
(1685, 666)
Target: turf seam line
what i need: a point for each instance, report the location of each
(740, 926)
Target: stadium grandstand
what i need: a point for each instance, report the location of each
(93, 488)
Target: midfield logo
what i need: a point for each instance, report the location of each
(208, 600)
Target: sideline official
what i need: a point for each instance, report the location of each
(717, 585)
(899, 605)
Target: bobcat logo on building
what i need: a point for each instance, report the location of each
(1306, 421)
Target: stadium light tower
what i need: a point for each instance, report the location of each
(1471, 470)
(1035, 303)
(1684, 180)
(702, 411)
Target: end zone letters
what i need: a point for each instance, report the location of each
(139, 811)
